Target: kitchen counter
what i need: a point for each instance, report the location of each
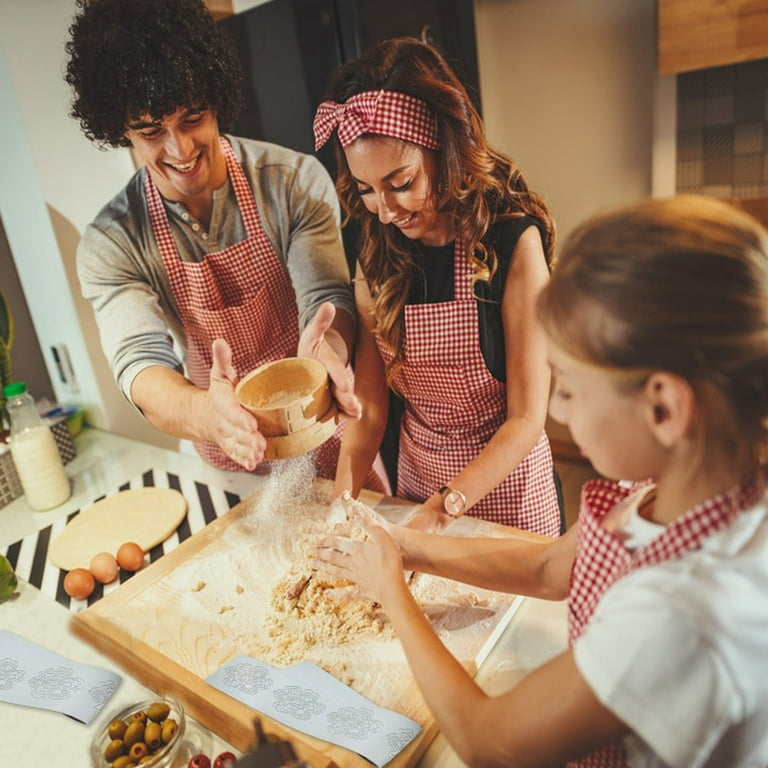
(104, 462)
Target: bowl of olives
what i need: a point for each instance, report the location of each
(148, 734)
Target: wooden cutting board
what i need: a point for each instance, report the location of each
(145, 515)
(156, 627)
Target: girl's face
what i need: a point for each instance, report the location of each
(396, 181)
(608, 424)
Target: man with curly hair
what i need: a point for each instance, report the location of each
(230, 246)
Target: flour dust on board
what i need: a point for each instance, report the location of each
(254, 586)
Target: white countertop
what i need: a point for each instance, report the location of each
(105, 461)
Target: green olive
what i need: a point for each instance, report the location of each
(138, 750)
(140, 716)
(124, 761)
(153, 735)
(114, 749)
(158, 711)
(116, 729)
(168, 730)
(134, 733)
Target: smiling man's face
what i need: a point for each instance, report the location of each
(181, 151)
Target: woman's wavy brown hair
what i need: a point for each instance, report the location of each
(476, 185)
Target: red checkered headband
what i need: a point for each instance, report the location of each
(387, 113)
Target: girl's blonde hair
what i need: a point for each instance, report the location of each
(679, 285)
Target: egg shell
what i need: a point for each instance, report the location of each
(79, 583)
(130, 556)
(104, 567)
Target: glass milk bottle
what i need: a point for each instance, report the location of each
(34, 451)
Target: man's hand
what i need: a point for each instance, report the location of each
(231, 427)
(323, 342)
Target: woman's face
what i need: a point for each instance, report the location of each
(397, 181)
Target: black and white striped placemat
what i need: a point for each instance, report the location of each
(29, 557)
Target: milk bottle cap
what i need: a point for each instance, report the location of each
(15, 388)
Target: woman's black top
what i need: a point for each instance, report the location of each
(434, 283)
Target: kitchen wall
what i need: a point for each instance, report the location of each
(54, 182)
(28, 365)
(568, 88)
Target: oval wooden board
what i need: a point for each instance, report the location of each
(145, 515)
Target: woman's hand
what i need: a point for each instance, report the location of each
(428, 519)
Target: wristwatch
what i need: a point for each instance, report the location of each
(454, 502)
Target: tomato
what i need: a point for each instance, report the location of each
(225, 760)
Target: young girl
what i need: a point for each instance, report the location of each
(455, 248)
(657, 318)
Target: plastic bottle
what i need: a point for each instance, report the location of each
(34, 451)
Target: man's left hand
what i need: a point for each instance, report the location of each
(323, 342)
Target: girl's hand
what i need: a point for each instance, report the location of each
(375, 564)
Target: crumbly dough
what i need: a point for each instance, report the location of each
(266, 600)
(309, 610)
(318, 616)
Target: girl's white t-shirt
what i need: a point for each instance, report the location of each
(679, 650)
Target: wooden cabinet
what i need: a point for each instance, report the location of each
(756, 206)
(219, 9)
(698, 34)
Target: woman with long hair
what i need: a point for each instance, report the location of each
(454, 248)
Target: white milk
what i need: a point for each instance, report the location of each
(39, 467)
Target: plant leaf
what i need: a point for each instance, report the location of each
(6, 323)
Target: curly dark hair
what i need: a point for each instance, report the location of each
(129, 58)
(477, 185)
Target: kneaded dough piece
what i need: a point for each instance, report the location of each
(145, 515)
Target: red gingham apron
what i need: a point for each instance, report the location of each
(453, 406)
(241, 294)
(602, 559)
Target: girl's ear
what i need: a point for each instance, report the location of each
(671, 407)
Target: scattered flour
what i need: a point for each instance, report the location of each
(260, 589)
(255, 589)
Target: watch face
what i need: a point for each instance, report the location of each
(454, 503)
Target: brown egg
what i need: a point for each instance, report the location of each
(130, 556)
(104, 567)
(79, 583)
